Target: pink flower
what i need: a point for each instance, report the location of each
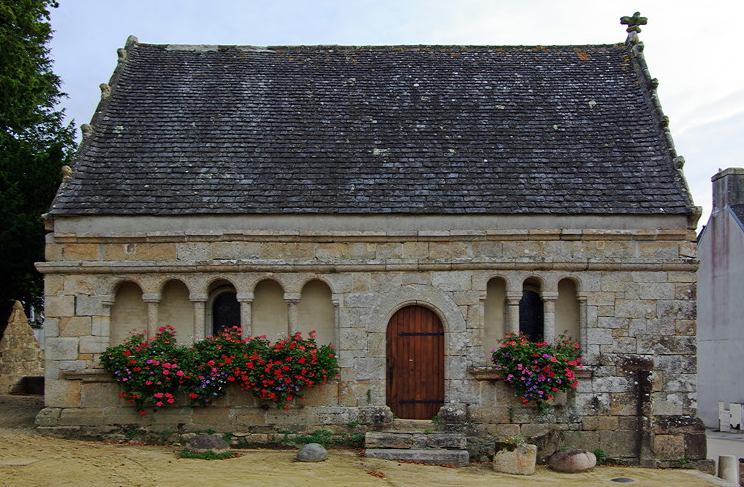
(179, 373)
(159, 403)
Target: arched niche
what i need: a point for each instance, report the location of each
(223, 309)
(495, 314)
(316, 312)
(270, 317)
(531, 310)
(128, 314)
(177, 310)
(568, 310)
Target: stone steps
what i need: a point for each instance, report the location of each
(415, 440)
(458, 458)
(412, 425)
(409, 442)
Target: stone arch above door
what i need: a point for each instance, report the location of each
(431, 297)
(452, 319)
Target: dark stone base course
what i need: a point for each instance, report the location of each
(672, 442)
(153, 436)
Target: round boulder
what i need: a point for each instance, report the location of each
(207, 443)
(573, 461)
(312, 452)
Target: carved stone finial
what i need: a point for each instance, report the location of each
(66, 173)
(634, 22)
(131, 40)
(679, 163)
(86, 130)
(105, 90)
(122, 54)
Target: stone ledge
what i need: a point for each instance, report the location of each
(381, 236)
(87, 375)
(490, 373)
(151, 267)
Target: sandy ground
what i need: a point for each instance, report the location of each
(27, 459)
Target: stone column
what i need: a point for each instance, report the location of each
(337, 324)
(583, 322)
(512, 300)
(549, 299)
(200, 301)
(246, 313)
(152, 300)
(293, 301)
(104, 323)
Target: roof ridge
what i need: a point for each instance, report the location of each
(249, 47)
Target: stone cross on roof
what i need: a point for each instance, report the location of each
(634, 22)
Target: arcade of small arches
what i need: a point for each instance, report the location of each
(267, 311)
(533, 310)
(540, 313)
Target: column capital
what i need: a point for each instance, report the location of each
(151, 297)
(513, 296)
(196, 298)
(549, 296)
(244, 297)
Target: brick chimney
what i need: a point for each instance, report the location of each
(728, 188)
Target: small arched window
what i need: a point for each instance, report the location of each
(176, 310)
(225, 312)
(531, 311)
(270, 313)
(129, 313)
(567, 310)
(316, 312)
(223, 307)
(494, 314)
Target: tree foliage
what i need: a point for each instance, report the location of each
(34, 144)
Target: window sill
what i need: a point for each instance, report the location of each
(490, 373)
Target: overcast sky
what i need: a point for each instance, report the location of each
(691, 47)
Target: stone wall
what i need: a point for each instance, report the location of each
(635, 289)
(21, 358)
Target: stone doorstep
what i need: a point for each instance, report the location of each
(458, 458)
(414, 440)
(411, 425)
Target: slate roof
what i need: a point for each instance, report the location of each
(738, 211)
(381, 129)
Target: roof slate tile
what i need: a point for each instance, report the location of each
(381, 129)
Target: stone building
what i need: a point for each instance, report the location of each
(343, 189)
(720, 326)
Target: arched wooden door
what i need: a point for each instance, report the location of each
(415, 363)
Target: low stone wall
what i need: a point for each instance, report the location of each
(20, 355)
(672, 440)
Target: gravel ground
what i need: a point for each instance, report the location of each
(28, 459)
